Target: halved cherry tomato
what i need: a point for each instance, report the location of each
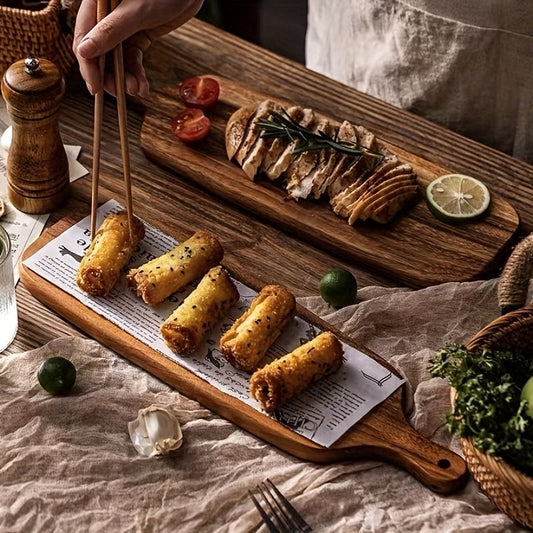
(199, 92)
(190, 125)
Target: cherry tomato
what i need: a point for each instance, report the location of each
(190, 125)
(199, 92)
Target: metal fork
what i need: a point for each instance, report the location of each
(277, 513)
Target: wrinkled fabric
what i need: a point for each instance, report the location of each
(465, 65)
(67, 464)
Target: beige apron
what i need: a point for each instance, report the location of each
(465, 64)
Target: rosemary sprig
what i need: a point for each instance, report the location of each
(283, 125)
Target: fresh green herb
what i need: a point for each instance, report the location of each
(283, 125)
(487, 406)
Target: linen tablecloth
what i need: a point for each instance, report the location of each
(67, 463)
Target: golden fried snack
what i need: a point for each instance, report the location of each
(184, 329)
(286, 377)
(109, 252)
(168, 273)
(252, 334)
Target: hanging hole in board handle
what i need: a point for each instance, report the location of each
(444, 464)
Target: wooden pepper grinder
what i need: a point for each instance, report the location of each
(37, 165)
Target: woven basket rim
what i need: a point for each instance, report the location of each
(52, 5)
(494, 462)
(499, 325)
(498, 465)
(494, 332)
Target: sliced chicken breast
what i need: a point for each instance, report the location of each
(263, 109)
(299, 173)
(372, 185)
(236, 129)
(280, 165)
(257, 152)
(278, 146)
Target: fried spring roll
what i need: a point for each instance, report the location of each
(184, 329)
(286, 377)
(164, 275)
(252, 334)
(109, 252)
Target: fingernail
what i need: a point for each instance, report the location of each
(144, 90)
(131, 87)
(87, 48)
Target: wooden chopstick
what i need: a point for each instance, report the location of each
(101, 12)
(120, 89)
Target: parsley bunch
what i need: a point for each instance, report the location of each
(487, 406)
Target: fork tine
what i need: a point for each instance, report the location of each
(266, 519)
(288, 509)
(283, 520)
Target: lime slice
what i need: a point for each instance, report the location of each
(338, 287)
(456, 198)
(57, 375)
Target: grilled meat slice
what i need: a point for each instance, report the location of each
(280, 143)
(252, 131)
(279, 166)
(257, 152)
(237, 128)
(300, 173)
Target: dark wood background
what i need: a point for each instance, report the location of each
(277, 25)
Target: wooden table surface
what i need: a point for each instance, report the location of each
(199, 48)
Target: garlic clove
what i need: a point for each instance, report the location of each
(155, 431)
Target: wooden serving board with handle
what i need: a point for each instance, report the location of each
(415, 248)
(383, 434)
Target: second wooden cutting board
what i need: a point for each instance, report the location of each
(415, 248)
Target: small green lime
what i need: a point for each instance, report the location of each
(338, 287)
(57, 375)
(527, 394)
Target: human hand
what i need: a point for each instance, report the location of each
(135, 23)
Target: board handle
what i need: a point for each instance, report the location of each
(440, 469)
(389, 437)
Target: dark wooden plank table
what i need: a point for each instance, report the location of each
(200, 48)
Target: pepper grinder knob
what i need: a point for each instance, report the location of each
(37, 165)
(32, 66)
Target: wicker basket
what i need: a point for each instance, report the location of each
(510, 490)
(45, 33)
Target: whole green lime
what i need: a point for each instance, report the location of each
(57, 375)
(527, 395)
(338, 287)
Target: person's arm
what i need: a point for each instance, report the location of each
(135, 23)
